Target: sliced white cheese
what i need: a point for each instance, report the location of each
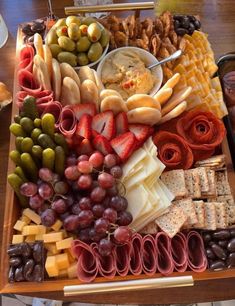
(136, 157)
(137, 200)
(166, 191)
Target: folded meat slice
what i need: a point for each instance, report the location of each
(122, 256)
(28, 83)
(165, 263)
(67, 124)
(26, 58)
(54, 108)
(136, 253)
(179, 252)
(149, 255)
(197, 260)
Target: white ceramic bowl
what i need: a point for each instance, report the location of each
(146, 57)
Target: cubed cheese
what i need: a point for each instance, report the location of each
(65, 234)
(39, 237)
(25, 219)
(17, 239)
(62, 261)
(19, 225)
(70, 255)
(53, 237)
(51, 247)
(41, 229)
(51, 266)
(30, 230)
(57, 225)
(32, 215)
(30, 238)
(64, 244)
(72, 270)
(63, 273)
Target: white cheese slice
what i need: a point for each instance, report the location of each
(137, 200)
(136, 157)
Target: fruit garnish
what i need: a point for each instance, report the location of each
(121, 123)
(102, 144)
(84, 126)
(85, 147)
(86, 108)
(123, 145)
(104, 124)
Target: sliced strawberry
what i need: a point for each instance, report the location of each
(94, 133)
(101, 144)
(104, 124)
(86, 108)
(124, 145)
(121, 123)
(141, 131)
(84, 126)
(85, 147)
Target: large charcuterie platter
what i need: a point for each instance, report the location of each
(120, 171)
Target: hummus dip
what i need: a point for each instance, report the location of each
(126, 73)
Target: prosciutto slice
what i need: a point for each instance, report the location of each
(27, 82)
(136, 254)
(26, 58)
(67, 124)
(197, 260)
(122, 255)
(179, 252)
(165, 263)
(149, 255)
(87, 265)
(106, 264)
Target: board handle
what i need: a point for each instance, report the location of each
(130, 285)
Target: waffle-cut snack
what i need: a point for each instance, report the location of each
(175, 182)
(188, 208)
(200, 213)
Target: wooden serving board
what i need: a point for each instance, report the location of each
(208, 285)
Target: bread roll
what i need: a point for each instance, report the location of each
(86, 73)
(163, 95)
(89, 93)
(68, 71)
(142, 100)
(113, 103)
(144, 115)
(109, 92)
(70, 93)
(179, 109)
(38, 44)
(56, 79)
(48, 58)
(41, 73)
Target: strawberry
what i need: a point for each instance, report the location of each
(104, 124)
(86, 108)
(124, 145)
(121, 123)
(141, 132)
(85, 147)
(101, 144)
(84, 126)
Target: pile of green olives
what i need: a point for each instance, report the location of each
(77, 41)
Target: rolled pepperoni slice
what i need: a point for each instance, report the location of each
(26, 58)
(55, 109)
(165, 263)
(67, 124)
(197, 260)
(179, 252)
(136, 253)
(87, 265)
(149, 255)
(173, 150)
(122, 255)
(28, 83)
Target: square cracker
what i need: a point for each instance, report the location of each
(172, 221)
(192, 181)
(211, 192)
(200, 213)
(222, 184)
(150, 228)
(188, 208)
(230, 207)
(221, 216)
(175, 182)
(204, 182)
(210, 215)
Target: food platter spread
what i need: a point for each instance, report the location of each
(119, 168)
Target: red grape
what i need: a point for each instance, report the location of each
(75, 209)
(94, 236)
(101, 225)
(85, 167)
(98, 194)
(85, 203)
(45, 174)
(71, 161)
(122, 234)
(113, 191)
(61, 187)
(98, 210)
(105, 247)
(45, 191)
(72, 173)
(106, 180)
(69, 199)
(83, 157)
(85, 218)
(116, 171)
(110, 160)
(36, 202)
(118, 203)
(96, 159)
(71, 223)
(56, 178)
(64, 216)
(48, 217)
(84, 181)
(110, 214)
(106, 202)
(83, 235)
(28, 189)
(124, 218)
(59, 206)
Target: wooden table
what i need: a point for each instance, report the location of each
(218, 20)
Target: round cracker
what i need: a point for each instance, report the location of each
(144, 115)
(113, 103)
(163, 95)
(68, 71)
(48, 58)
(142, 100)
(172, 81)
(56, 79)
(109, 93)
(178, 110)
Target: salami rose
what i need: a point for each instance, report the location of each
(67, 124)
(173, 150)
(28, 83)
(202, 131)
(26, 58)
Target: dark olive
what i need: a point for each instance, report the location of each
(206, 237)
(192, 18)
(221, 235)
(15, 261)
(176, 24)
(181, 31)
(210, 254)
(37, 252)
(178, 17)
(185, 22)
(38, 273)
(231, 260)
(191, 28)
(217, 265)
(231, 245)
(26, 249)
(28, 268)
(19, 277)
(26, 29)
(232, 232)
(223, 243)
(15, 250)
(11, 275)
(219, 252)
(197, 24)
(37, 27)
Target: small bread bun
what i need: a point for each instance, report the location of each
(178, 110)
(89, 93)
(142, 100)
(68, 71)
(114, 103)
(56, 79)
(109, 92)
(48, 58)
(40, 70)
(163, 95)
(38, 44)
(86, 73)
(98, 81)
(144, 115)
(70, 93)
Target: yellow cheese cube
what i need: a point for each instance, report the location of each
(30, 238)
(19, 225)
(52, 237)
(72, 270)
(57, 225)
(17, 239)
(65, 234)
(51, 266)
(51, 247)
(30, 230)
(62, 261)
(25, 219)
(70, 255)
(41, 229)
(39, 237)
(32, 215)
(49, 254)
(63, 273)
(64, 244)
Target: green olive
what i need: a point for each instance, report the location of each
(60, 22)
(55, 50)
(73, 19)
(82, 59)
(67, 57)
(62, 31)
(94, 32)
(104, 39)
(74, 31)
(52, 37)
(95, 52)
(66, 43)
(83, 28)
(88, 20)
(83, 44)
